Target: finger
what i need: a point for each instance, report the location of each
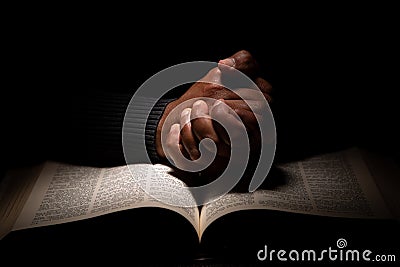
(252, 94)
(217, 92)
(250, 119)
(174, 150)
(188, 139)
(253, 122)
(242, 61)
(249, 105)
(225, 118)
(264, 86)
(224, 114)
(249, 94)
(213, 76)
(202, 127)
(221, 132)
(211, 86)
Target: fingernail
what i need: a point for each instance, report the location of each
(228, 61)
(175, 128)
(198, 103)
(218, 102)
(221, 106)
(215, 105)
(200, 109)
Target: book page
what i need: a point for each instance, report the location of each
(386, 172)
(65, 193)
(14, 191)
(335, 184)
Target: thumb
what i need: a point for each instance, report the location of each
(242, 61)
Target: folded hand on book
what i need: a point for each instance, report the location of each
(213, 103)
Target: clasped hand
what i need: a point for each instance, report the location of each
(209, 110)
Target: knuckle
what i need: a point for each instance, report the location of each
(218, 112)
(238, 111)
(245, 54)
(210, 136)
(194, 152)
(199, 124)
(185, 132)
(268, 98)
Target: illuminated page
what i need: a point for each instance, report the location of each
(335, 184)
(65, 193)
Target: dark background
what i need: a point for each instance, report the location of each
(335, 77)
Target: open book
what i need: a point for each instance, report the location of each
(337, 184)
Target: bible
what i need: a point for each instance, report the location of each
(337, 184)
